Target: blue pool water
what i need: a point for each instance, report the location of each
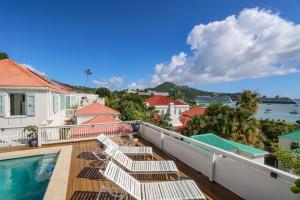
(26, 178)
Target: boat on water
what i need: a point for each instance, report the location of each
(294, 112)
(268, 110)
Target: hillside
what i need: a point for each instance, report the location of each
(189, 92)
(79, 88)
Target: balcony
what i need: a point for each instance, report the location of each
(219, 174)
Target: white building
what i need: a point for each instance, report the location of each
(28, 98)
(167, 106)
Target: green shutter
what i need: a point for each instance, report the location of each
(73, 100)
(62, 102)
(68, 102)
(2, 106)
(55, 103)
(30, 104)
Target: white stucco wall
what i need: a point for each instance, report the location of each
(41, 109)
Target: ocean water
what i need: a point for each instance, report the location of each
(279, 111)
(26, 178)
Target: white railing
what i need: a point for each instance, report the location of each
(245, 177)
(12, 136)
(72, 133)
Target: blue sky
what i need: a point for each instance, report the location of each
(123, 41)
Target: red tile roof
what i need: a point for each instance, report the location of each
(162, 100)
(15, 75)
(101, 119)
(194, 111)
(96, 109)
(186, 116)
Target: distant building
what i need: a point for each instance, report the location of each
(206, 100)
(250, 152)
(149, 93)
(96, 113)
(187, 115)
(28, 98)
(167, 106)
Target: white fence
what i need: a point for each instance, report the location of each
(248, 179)
(60, 134)
(12, 136)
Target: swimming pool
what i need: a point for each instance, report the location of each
(26, 177)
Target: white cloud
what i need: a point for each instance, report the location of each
(140, 84)
(115, 82)
(33, 69)
(255, 43)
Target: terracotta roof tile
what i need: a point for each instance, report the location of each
(194, 111)
(101, 119)
(15, 75)
(162, 100)
(96, 109)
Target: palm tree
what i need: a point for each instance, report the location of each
(249, 100)
(87, 72)
(196, 125)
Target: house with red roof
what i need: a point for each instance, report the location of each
(167, 106)
(96, 113)
(28, 98)
(187, 115)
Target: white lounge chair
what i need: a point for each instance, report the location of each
(144, 151)
(168, 190)
(142, 167)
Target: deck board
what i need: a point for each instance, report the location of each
(87, 188)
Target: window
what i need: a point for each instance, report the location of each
(17, 104)
(294, 145)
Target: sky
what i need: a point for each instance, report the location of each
(222, 46)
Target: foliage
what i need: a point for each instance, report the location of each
(296, 188)
(237, 123)
(162, 121)
(103, 92)
(289, 159)
(188, 93)
(131, 106)
(272, 129)
(3, 55)
(31, 131)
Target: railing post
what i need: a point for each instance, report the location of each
(39, 137)
(162, 140)
(212, 166)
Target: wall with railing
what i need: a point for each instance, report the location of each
(245, 177)
(14, 136)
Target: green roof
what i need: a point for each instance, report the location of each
(215, 141)
(248, 149)
(297, 151)
(292, 136)
(228, 145)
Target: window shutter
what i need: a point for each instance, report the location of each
(68, 102)
(30, 104)
(2, 106)
(62, 102)
(55, 103)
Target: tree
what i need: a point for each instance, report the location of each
(249, 100)
(289, 159)
(196, 125)
(163, 121)
(3, 55)
(87, 72)
(103, 92)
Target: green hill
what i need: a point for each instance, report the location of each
(189, 92)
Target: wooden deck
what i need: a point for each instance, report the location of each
(85, 181)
